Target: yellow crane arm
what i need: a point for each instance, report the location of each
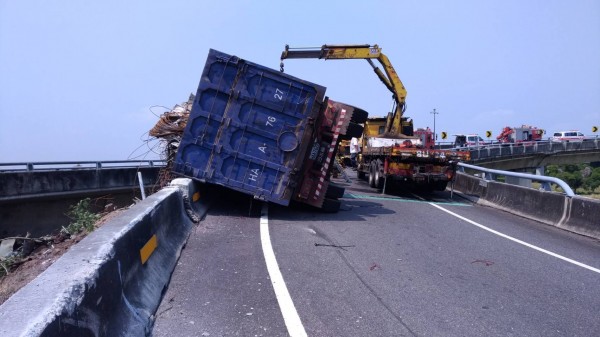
(361, 51)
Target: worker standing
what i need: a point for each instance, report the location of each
(354, 150)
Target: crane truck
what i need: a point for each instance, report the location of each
(520, 135)
(392, 152)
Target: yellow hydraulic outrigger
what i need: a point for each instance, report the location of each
(397, 125)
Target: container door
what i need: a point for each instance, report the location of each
(248, 128)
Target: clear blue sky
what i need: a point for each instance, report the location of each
(77, 78)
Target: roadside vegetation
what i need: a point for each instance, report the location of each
(584, 179)
(16, 250)
(82, 218)
(24, 258)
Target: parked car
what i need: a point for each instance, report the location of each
(567, 136)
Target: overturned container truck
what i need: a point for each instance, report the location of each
(265, 133)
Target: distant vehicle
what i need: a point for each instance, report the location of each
(519, 135)
(567, 136)
(472, 140)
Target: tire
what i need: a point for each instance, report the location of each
(353, 131)
(372, 177)
(360, 174)
(331, 205)
(378, 179)
(359, 116)
(346, 161)
(334, 191)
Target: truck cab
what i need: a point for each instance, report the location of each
(471, 140)
(426, 136)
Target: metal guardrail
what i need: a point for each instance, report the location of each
(489, 176)
(498, 150)
(78, 165)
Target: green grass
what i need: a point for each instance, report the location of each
(82, 218)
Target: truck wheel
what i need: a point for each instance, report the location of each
(334, 191)
(372, 177)
(331, 205)
(378, 178)
(346, 161)
(360, 174)
(354, 131)
(359, 116)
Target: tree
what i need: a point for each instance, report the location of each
(592, 181)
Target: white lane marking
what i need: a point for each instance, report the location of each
(288, 310)
(418, 197)
(519, 241)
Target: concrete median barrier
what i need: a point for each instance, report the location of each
(110, 283)
(579, 215)
(584, 217)
(471, 186)
(546, 207)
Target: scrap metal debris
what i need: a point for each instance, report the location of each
(486, 262)
(15, 250)
(374, 266)
(169, 129)
(335, 246)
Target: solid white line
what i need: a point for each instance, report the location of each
(418, 197)
(288, 310)
(519, 241)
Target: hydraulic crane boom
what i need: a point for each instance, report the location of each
(396, 125)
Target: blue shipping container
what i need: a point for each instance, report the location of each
(249, 128)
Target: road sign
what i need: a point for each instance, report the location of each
(444, 135)
(488, 134)
(594, 129)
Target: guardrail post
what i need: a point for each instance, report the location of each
(141, 181)
(29, 166)
(544, 185)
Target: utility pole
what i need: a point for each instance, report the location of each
(434, 134)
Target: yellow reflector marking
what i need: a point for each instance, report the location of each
(148, 248)
(196, 196)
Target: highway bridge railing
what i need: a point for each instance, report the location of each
(50, 188)
(499, 150)
(76, 165)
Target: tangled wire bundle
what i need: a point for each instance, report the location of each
(172, 123)
(169, 129)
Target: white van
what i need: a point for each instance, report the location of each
(567, 136)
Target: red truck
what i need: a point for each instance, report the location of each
(519, 135)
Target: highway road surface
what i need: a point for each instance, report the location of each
(385, 265)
